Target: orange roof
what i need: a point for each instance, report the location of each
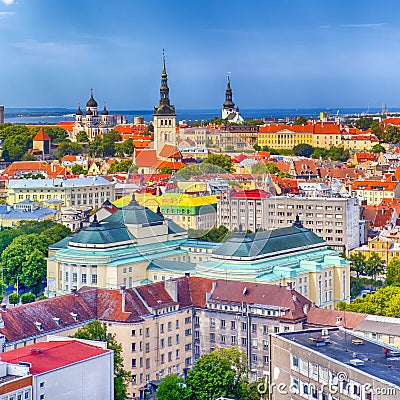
(41, 135)
(68, 126)
(174, 165)
(327, 128)
(51, 170)
(69, 158)
(170, 151)
(386, 185)
(146, 158)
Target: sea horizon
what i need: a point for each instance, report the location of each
(53, 115)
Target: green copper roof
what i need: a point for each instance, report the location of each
(268, 242)
(174, 227)
(102, 233)
(134, 214)
(174, 266)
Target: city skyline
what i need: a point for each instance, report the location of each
(280, 54)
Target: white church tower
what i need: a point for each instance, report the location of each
(229, 111)
(164, 121)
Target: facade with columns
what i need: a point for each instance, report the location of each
(122, 249)
(92, 122)
(164, 117)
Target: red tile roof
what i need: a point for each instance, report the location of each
(170, 151)
(253, 293)
(51, 170)
(305, 167)
(323, 317)
(48, 356)
(251, 194)
(146, 158)
(41, 135)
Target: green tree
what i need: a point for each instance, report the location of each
(364, 123)
(393, 272)
(79, 169)
(122, 166)
(95, 147)
(68, 148)
(13, 298)
(96, 330)
(374, 265)
(303, 149)
(390, 135)
(320, 152)
(377, 130)
(377, 148)
(338, 153)
(28, 298)
(108, 143)
(220, 373)
(301, 120)
(82, 137)
(172, 387)
(221, 160)
(28, 157)
(257, 147)
(359, 263)
(34, 271)
(166, 170)
(14, 147)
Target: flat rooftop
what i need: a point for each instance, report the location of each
(341, 348)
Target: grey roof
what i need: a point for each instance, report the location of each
(268, 242)
(174, 227)
(102, 233)
(168, 265)
(342, 349)
(135, 214)
(385, 327)
(34, 215)
(58, 182)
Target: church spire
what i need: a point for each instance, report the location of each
(164, 105)
(228, 94)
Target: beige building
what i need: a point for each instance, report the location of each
(91, 191)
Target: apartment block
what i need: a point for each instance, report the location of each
(91, 191)
(334, 219)
(332, 364)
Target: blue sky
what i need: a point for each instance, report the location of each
(281, 54)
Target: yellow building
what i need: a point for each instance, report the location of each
(281, 136)
(386, 247)
(186, 210)
(375, 190)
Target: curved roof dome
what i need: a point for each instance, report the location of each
(79, 111)
(91, 102)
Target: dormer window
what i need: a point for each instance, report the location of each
(56, 320)
(74, 316)
(38, 325)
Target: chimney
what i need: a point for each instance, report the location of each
(3, 307)
(74, 290)
(306, 308)
(171, 286)
(122, 290)
(289, 285)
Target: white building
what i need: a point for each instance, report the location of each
(66, 369)
(91, 191)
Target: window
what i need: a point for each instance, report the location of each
(254, 328)
(147, 346)
(188, 320)
(233, 339)
(212, 321)
(169, 326)
(295, 362)
(161, 328)
(169, 340)
(222, 324)
(244, 326)
(244, 341)
(265, 329)
(177, 324)
(212, 337)
(233, 325)
(133, 346)
(133, 332)
(147, 363)
(41, 385)
(133, 362)
(177, 339)
(147, 332)
(170, 356)
(162, 343)
(94, 278)
(188, 332)
(162, 359)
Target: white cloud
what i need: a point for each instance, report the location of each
(362, 25)
(7, 2)
(5, 14)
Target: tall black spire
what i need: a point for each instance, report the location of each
(228, 94)
(165, 106)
